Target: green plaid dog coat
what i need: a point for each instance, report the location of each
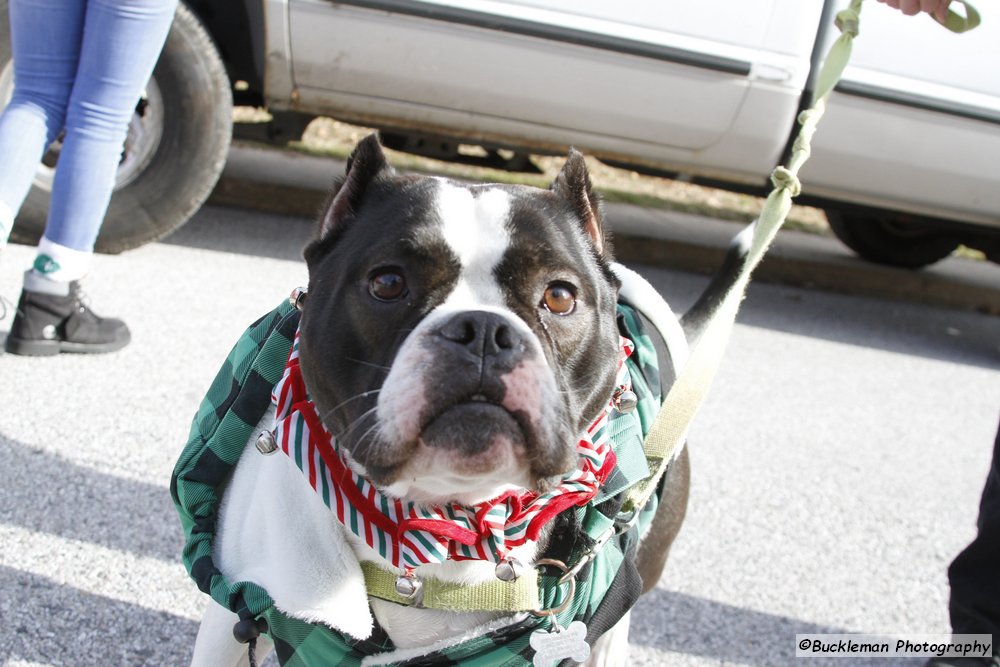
(606, 587)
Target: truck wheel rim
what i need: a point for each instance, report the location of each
(145, 131)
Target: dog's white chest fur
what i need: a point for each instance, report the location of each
(276, 531)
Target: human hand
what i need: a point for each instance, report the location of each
(937, 8)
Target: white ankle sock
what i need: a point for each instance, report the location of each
(59, 263)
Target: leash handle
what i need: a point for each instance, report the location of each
(958, 23)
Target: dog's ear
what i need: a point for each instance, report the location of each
(366, 164)
(573, 185)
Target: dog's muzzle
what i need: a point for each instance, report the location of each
(471, 394)
(469, 412)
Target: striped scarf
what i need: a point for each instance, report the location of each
(407, 534)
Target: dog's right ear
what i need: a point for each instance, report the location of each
(573, 184)
(366, 165)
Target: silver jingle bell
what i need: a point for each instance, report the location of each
(408, 585)
(298, 297)
(625, 400)
(266, 443)
(509, 569)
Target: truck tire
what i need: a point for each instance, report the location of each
(886, 238)
(176, 148)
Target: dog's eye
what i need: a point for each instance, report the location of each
(387, 286)
(559, 298)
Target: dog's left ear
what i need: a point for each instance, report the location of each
(573, 185)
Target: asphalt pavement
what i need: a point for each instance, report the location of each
(837, 463)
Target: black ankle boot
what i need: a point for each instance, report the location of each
(52, 317)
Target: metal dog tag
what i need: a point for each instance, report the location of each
(552, 646)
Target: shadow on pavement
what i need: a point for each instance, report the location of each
(958, 336)
(732, 635)
(60, 625)
(244, 232)
(47, 494)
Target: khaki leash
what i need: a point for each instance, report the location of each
(687, 394)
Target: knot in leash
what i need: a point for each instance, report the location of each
(784, 179)
(848, 20)
(810, 117)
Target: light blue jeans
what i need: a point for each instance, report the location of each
(79, 65)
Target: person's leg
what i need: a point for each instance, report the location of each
(121, 43)
(45, 45)
(974, 575)
(120, 46)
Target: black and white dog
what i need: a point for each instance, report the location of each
(456, 340)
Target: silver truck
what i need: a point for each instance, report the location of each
(906, 162)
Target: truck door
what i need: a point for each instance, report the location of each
(662, 82)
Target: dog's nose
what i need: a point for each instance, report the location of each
(482, 334)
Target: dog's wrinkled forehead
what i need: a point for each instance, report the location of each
(478, 223)
(475, 225)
